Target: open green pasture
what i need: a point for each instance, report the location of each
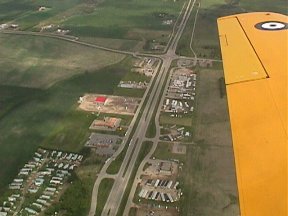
(11, 97)
(38, 62)
(164, 152)
(131, 21)
(206, 42)
(116, 18)
(33, 117)
(25, 12)
(103, 194)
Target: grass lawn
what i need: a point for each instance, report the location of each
(121, 44)
(278, 6)
(164, 151)
(133, 212)
(26, 14)
(129, 92)
(37, 62)
(115, 19)
(167, 119)
(71, 133)
(206, 42)
(132, 76)
(151, 130)
(11, 97)
(116, 164)
(103, 193)
(208, 178)
(145, 149)
(137, 20)
(183, 46)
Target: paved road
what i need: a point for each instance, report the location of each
(123, 176)
(155, 140)
(73, 39)
(102, 174)
(114, 200)
(193, 31)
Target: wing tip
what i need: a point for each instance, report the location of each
(266, 13)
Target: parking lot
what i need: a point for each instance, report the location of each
(181, 92)
(105, 144)
(163, 190)
(109, 104)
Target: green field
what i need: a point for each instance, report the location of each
(37, 62)
(206, 43)
(103, 193)
(26, 14)
(165, 118)
(128, 23)
(208, 178)
(114, 43)
(48, 116)
(124, 18)
(133, 211)
(145, 149)
(164, 152)
(132, 76)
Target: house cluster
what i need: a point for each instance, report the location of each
(164, 190)
(44, 176)
(181, 93)
(132, 84)
(107, 124)
(8, 27)
(145, 66)
(175, 133)
(167, 22)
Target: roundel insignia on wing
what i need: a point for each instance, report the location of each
(271, 25)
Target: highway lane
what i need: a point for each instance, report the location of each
(66, 38)
(72, 39)
(182, 26)
(149, 155)
(114, 200)
(118, 189)
(121, 180)
(193, 31)
(102, 174)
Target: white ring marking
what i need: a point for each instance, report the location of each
(273, 25)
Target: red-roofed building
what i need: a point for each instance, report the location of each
(100, 99)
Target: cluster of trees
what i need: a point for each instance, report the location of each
(74, 201)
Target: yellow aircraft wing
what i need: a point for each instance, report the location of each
(254, 51)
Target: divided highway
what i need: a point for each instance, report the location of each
(122, 178)
(153, 103)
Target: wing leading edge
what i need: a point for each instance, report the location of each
(254, 52)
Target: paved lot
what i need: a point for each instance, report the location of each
(105, 144)
(112, 104)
